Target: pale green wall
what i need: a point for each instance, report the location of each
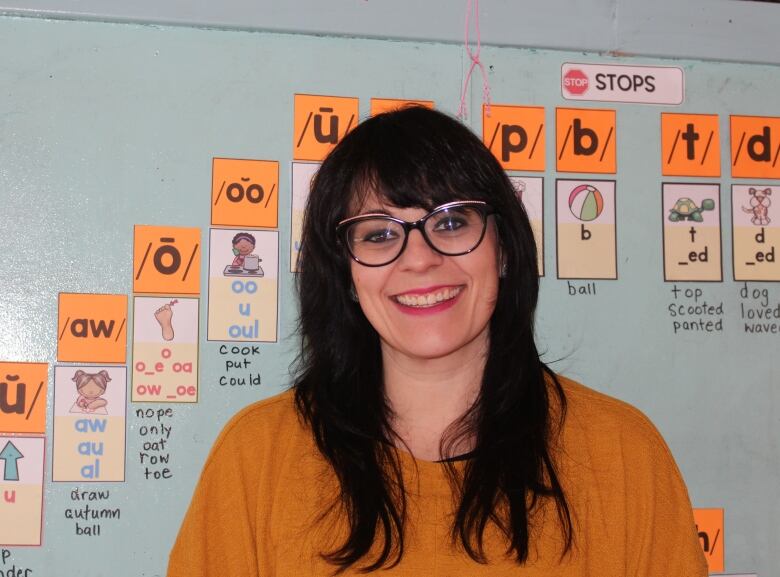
(104, 126)
(730, 30)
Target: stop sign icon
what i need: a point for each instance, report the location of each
(575, 82)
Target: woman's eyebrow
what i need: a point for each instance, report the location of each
(373, 210)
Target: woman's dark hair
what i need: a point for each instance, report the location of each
(415, 157)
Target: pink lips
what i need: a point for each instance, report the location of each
(431, 309)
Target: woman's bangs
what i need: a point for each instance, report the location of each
(404, 180)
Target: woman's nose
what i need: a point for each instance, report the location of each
(418, 255)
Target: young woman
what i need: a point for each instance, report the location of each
(423, 435)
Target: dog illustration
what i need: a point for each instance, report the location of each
(759, 206)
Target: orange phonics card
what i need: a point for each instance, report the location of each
(23, 397)
(92, 328)
(690, 144)
(245, 193)
(691, 231)
(585, 140)
(320, 122)
(380, 105)
(166, 259)
(21, 489)
(755, 146)
(515, 135)
(709, 524)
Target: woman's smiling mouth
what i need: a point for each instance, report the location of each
(428, 299)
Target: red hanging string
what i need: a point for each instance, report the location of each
(475, 61)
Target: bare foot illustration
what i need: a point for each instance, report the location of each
(164, 316)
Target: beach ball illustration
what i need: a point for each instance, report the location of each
(586, 202)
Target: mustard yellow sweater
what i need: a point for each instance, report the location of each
(256, 507)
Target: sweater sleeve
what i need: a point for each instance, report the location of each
(661, 534)
(218, 535)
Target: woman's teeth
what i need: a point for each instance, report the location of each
(429, 299)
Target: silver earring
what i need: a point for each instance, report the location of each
(353, 293)
(503, 272)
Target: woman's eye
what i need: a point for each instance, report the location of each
(381, 236)
(378, 236)
(449, 223)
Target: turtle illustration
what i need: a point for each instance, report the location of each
(686, 209)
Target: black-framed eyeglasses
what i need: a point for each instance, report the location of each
(452, 229)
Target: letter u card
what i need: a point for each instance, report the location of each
(90, 409)
(320, 122)
(302, 175)
(21, 490)
(23, 397)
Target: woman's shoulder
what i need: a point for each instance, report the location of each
(272, 410)
(623, 484)
(611, 445)
(595, 417)
(260, 427)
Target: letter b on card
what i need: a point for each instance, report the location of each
(585, 140)
(585, 214)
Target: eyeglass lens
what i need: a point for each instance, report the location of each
(452, 231)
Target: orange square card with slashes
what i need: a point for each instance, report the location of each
(23, 397)
(586, 140)
(92, 328)
(166, 260)
(245, 193)
(709, 526)
(320, 122)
